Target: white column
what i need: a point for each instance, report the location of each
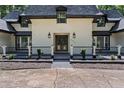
(29, 51)
(28, 41)
(20, 41)
(4, 50)
(119, 50)
(104, 41)
(52, 50)
(94, 50)
(71, 50)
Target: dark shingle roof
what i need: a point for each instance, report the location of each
(6, 27)
(119, 26)
(46, 10)
(12, 16)
(113, 14)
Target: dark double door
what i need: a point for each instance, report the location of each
(61, 43)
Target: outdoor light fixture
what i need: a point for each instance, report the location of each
(49, 35)
(74, 35)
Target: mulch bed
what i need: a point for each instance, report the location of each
(98, 66)
(21, 65)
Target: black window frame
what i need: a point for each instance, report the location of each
(101, 21)
(60, 18)
(107, 44)
(24, 22)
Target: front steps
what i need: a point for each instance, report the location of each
(21, 54)
(61, 56)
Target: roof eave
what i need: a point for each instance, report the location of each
(54, 16)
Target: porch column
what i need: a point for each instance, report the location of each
(4, 51)
(29, 51)
(28, 41)
(52, 51)
(94, 51)
(119, 51)
(20, 41)
(71, 51)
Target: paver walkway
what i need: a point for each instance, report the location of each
(62, 78)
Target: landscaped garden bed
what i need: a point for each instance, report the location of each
(110, 66)
(24, 65)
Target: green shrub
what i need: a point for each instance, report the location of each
(11, 57)
(39, 53)
(113, 57)
(83, 53)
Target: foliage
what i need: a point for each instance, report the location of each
(39, 52)
(113, 57)
(11, 57)
(120, 8)
(83, 53)
(5, 9)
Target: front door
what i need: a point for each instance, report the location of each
(61, 43)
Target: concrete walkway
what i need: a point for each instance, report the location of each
(61, 64)
(62, 78)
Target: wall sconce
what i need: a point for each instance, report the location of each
(49, 35)
(74, 35)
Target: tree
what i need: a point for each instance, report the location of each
(120, 8)
(106, 7)
(4, 9)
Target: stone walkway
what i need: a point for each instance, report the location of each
(62, 78)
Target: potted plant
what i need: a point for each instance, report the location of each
(83, 53)
(113, 57)
(39, 53)
(11, 57)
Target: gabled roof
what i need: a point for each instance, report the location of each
(12, 16)
(112, 15)
(50, 10)
(6, 27)
(119, 26)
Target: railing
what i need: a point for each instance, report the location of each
(77, 50)
(24, 53)
(44, 49)
(74, 50)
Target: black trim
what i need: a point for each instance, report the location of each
(4, 31)
(54, 16)
(101, 33)
(23, 33)
(117, 31)
(61, 8)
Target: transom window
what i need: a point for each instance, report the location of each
(24, 22)
(101, 22)
(101, 42)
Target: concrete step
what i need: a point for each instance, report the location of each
(61, 64)
(61, 56)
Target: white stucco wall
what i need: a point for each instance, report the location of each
(117, 38)
(18, 27)
(7, 39)
(107, 27)
(81, 27)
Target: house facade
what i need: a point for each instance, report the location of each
(62, 27)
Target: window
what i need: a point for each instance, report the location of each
(101, 42)
(101, 22)
(61, 16)
(23, 42)
(24, 22)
